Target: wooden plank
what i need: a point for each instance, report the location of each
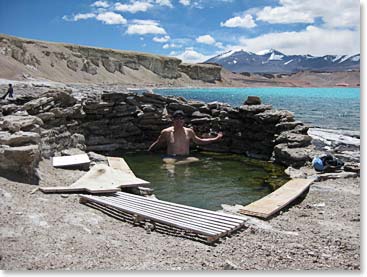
(73, 160)
(100, 179)
(171, 215)
(154, 218)
(194, 210)
(186, 213)
(278, 199)
(120, 164)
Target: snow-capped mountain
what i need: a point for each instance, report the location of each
(273, 61)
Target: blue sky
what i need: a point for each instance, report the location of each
(192, 30)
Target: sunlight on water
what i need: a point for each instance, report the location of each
(216, 179)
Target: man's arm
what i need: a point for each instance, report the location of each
(160, 140)
(198, 140)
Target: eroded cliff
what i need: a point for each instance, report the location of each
(23, 58)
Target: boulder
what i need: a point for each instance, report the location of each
(252, 100)
(295, 157)
(20, 162)
(293, 140)
(15, 123)
(19, 138)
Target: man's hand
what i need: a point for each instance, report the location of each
(219, 135)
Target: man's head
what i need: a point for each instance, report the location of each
(178, 118)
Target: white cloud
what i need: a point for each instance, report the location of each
(206, 39)
(164, 3)
(100, 4)
(313, 40)
(191, 56)
(79, 16)
(284, 15)
(239, 21)
(134, 7)
(171, 45)
(161, 39)
(111, 18)
(144, 27)
(185, 2)
(334, 13)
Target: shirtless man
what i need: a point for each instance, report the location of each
(177, 138)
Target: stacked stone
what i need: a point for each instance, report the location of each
(20, 152)
(110, 121)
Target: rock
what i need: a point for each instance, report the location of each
(35, 106)
(15, 123)
(252, 100)
(20, 161)
(19, 138)
(97, 158)
(71, 152)
(250, 110)
(187, 109)
(89, 68)
(293, 140)
(295, 157)
(274, 116)
(198, 114)
(336, 175)
(333, 137)
(63, 98)
(47, 116)
(228, 265)
(204, 72)
(73, 65)
(352, 167)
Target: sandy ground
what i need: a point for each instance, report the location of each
(52, 231)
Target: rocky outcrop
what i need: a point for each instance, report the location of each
(64, 60)
(205, 72)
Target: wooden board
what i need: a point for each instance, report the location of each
(73, 160)
(275, 201)
(211, 224)
(120, 164)
(100, 179)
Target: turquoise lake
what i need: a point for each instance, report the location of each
(332, 108)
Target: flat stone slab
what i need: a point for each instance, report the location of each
(67, 161)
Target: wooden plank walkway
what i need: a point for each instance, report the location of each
(210, 224)
(278, 199)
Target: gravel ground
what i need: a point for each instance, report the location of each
(52, 231)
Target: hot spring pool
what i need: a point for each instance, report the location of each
(216, 179)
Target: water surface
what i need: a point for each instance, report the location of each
(332, 108)
(216, 179)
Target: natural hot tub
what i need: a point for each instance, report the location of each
(216, 179)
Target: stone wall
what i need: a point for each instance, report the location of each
(110, 121)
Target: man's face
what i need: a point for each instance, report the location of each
(178, 121)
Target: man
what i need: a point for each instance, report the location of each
(177, 139)
(10, 92)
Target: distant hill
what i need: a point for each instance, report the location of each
(273, 61)
(26, 59)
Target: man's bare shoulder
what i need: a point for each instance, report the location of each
(167, 130)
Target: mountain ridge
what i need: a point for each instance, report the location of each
(274, 61)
